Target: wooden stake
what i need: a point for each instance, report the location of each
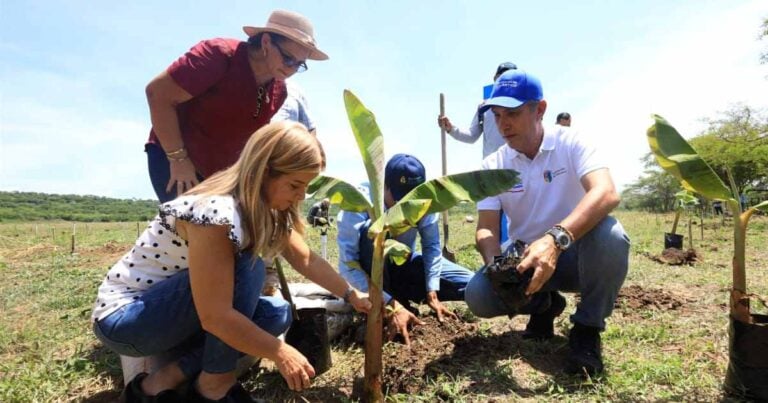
(690, 234)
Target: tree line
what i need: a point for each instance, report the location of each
(31, 206)
(737, 141)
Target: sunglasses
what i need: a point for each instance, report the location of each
(290, 61)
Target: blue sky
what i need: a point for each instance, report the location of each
(73, 117)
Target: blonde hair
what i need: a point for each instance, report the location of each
(276, 149)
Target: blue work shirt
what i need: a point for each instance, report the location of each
(348, 240)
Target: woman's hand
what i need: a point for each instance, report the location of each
(360, 301)
(183, 176)
(294, 367)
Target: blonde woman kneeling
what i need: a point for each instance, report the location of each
(192, 280)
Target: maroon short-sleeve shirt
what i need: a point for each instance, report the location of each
(224, 110)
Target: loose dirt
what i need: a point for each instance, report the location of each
(676, 257)
(635, 297)
(405, 369)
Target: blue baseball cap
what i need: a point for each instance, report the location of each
(512, 89)
(403, 173)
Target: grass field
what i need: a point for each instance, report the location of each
(666, 343)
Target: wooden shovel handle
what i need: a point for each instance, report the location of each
(284, 286)
(445, 168)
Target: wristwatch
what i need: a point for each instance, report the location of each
(563, 239)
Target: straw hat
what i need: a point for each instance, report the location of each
(293, 26)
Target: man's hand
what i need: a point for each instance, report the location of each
(540, 256)
(398, 320)
(440, 310)
(444, 123)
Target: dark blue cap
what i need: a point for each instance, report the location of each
(512, 89)
(403, 173)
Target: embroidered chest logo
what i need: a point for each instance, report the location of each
(550, 175)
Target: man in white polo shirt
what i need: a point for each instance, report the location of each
(560, 209)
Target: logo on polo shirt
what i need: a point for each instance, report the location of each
(550, 175)
(547, 176)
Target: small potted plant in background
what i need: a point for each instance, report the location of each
(683, 200)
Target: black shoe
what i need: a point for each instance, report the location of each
(541, 326)
(134, 394)
(586, 356)
(236, 394)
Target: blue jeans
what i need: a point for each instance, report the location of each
(164, 319)
(594, 266)
(160, 172)
(503, 227)
(408, 282)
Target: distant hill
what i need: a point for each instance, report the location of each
(29, 206)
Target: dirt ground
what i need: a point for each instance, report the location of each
(676, 257)
(448, 348)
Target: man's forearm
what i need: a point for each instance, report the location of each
(596, 204)
(488, 244)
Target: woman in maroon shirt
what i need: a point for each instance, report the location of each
(205, 106)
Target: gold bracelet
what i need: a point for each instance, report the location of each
(177, 153)
(177, 159)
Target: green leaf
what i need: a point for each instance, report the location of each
(339, 192)
(678, 158)
(400, 217)
(371, 145)
(686, 199)
(396, 251)
(762, 207)
(449, 190)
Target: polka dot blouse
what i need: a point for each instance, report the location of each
(160, 252)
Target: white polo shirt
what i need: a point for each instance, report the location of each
(549, 187)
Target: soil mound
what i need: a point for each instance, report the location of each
(635, 297)
(676, 257)
(406, 369)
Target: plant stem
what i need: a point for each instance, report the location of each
(373, 331)
(677, 217)
(739, 238)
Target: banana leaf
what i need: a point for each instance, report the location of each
(371, 145)
(677, 157)
(448, 191)
(339, 192)
(401, 217)
(396, 252)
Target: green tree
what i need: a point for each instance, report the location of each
(738, 140)
(654, 190)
